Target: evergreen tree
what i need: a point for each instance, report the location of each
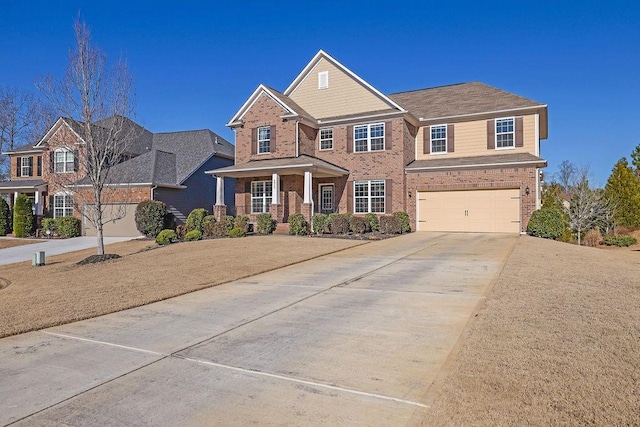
(552, 197)
(635, 160)
(23, 216)
(5, 219)
(623, 191)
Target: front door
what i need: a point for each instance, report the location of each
(326, 199)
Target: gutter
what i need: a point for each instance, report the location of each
(476, 165)
(510, 110)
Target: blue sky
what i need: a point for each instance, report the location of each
(195, 63)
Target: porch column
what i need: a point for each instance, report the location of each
(37, 205)
(15, 197)
(275, 189)
(219, 191)
(307, 187)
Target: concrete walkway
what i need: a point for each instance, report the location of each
(358, 337)
(52, 247)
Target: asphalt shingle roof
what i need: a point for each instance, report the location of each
(465, 162)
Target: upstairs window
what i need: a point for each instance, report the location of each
(261, 194)
(264, 139)
(326, 139)
(505, 133)
(438, 139)
(368, 137)
(63, 160)
(369, 196)
(323, 80)
(26, 166)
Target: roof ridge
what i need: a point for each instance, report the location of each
(434, 87)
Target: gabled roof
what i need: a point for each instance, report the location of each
(287, 104)
(285, 165)
(73, 125)
(460, 100)
(323, 55)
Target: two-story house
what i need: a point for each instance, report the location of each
(463, 157)
(167, 167)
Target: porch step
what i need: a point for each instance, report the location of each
(282, 228)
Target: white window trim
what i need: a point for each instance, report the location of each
(263, 140)
(323, 80)
(369, 126)
(446, 136)
(369, 197)
(265, 200)
(495, 128)
(64, 207)
(64, 163)
(320, 140)
(24, 166)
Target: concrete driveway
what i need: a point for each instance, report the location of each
(52, 247)
(358, 337)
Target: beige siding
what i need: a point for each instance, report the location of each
(471, 140)
(343, 96)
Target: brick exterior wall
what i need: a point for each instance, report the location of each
(476, 179)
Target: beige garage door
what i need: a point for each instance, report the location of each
(493, 211)
(123, 227)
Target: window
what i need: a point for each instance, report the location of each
(438, 139)
(323, 80)
(326, 139)
(62, 205)
(368, 137)
(264, 139)
(369, 196)
(63, 160)
(261, 192)
(26, 165)
(504, 133)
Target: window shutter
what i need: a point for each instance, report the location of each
(254, 140)
(388, 135)
(30, 166)
(50, 207)
(450, 138)
(519, 132)
(350, 195)
(272, 142)
(51, 161)
(247, 186)
(75, 160)
(349, 139)
(388, 208)
(39, 171)
(18, 166)
(426, 140)
(491, 134)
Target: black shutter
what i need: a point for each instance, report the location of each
(349, 139)
(350, 196)
(491, 134)
(388, 208)
(426, 140)
(254, 140)
(272, 142)
(388, 135)
(51, 161)
(247, 186)
(450, 138)
(50, 207)
(30, 162)
(519, 132)
(39, 171)
(18, 166)
(75, 160)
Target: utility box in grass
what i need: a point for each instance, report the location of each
(38, 259)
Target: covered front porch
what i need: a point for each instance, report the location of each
(283, 187)
(34, 189)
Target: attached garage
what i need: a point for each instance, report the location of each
(486, 211)
(123, 227)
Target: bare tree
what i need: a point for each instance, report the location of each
(24, 118)
(567, 176)
(99, 99)
(589, 208)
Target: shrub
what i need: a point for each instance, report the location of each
(237, 232)
(48, 224)
(390, 224)
(209, 219)
(613, 240)
(216, 229)
(265, 224)
(319, 222)
(298, 225)
(372, 222)
(195, 219)
(5, 220)
(592, 238)
(228, 222)
(330, 219)
(358, 224)
(241, 221)
(193, 235)
(340, 224)
(180, 229)
(166, 237)
(22, 216)
(68, 226)
(150, 217)
(403, 217)
(547, 223)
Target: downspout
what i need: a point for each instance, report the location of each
(297, 135)
(153, 188)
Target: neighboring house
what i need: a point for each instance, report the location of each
(167, 167)
(464, 157)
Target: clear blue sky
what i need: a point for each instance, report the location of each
(195, 63)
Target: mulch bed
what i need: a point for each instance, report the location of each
(93, 259)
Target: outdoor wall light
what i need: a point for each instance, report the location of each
(527, 191)
(409, 192)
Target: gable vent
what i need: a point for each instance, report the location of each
(323, 80)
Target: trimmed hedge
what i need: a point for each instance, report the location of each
(241, 221)
(68, 226)
(195, 219)
(319, 222)
(150, 217)
(390, 224)
(547, 223)
(405, 224)
(265, 224)
(358, 224)
(215, 230)
(237, 232)
(193, 235)
(620, 240)
(22, 216)
(373, 224)
(340, 223)
(48, 224)
(5, 217)
(166, 237)
(228, 222)
(298, 225)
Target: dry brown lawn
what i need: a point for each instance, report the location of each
(62, 292)
(10, 243)
(557, 343)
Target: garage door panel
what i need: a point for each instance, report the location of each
(123, 227)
